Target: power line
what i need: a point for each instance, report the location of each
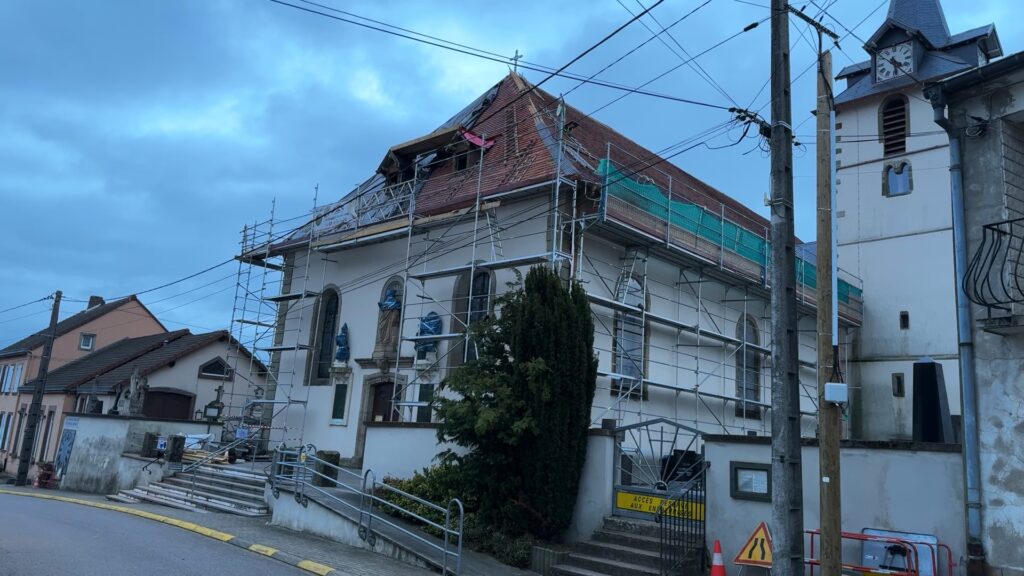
(656, 35)
(696, 66)
(484, 55)
(47, 297)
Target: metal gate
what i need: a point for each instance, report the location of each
(660, 476)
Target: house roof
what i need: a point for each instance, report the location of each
(70, 324)
(114, 365)
(95, 365)
(522, 122)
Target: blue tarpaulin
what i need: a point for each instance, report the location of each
(390, 301)
(430, 325)
(342, 341)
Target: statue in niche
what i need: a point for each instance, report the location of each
(387, 324)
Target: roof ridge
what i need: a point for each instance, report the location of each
(114, 362)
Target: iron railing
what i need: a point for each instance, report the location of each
(995, 275)
(683, 547)
(301, 471)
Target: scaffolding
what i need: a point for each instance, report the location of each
(272, 301)
(668, 341)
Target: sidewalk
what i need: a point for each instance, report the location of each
(346, 560)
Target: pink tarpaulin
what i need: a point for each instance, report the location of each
(474, 139)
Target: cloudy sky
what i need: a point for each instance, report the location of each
(138, 137)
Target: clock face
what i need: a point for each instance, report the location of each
(894, 61)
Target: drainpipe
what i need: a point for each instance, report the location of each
(969, 404)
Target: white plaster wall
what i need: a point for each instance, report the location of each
(401, 451)
(902, 490)
(901, 247)
(360, 275)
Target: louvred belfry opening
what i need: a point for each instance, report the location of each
(894, 126)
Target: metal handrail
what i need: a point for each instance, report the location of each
(287, 463)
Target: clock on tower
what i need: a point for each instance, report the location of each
(894, 61)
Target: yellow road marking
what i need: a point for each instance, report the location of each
(261, 549)
(307, 565)
(315, 567)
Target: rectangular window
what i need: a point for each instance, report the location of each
(16, 379)
(904, 320)
(899, 388)
(86, 341)
(340, 404)
(425, 413)
(5, 377)
(5, 422)
(750, 481)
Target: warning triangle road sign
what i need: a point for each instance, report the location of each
(758, 549)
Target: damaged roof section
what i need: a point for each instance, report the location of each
(512, 129)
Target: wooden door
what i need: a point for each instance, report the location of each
(383, 395)
(166, 404)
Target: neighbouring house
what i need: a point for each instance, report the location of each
(894, 213)
(100, 324)
(378, 293)
(982, 110)
(173, 376)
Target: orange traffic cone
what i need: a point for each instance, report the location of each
(717, 566)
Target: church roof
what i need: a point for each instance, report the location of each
(922, 16)
(925, 20)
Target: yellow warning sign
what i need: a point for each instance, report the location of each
(758, 549)
(650, 504)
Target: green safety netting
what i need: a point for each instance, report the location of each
(646, 196)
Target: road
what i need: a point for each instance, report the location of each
(49, 538)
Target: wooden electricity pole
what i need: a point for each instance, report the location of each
(787, 484)
(829, 414)
(35, 409)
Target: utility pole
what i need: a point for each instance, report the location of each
(35, 409)
(787, 492)
(829, 415)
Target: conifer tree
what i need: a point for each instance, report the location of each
(523, 407)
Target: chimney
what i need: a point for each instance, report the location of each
(95, 301)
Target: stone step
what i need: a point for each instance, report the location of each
(566, 570)
(632, 526)
(197, 502)
(144, 494)
(237, 477)
(198, 496)
(618, 552)
(219, 481)
(216, 487)
(636, 541)
(122, 498)
(609, 566)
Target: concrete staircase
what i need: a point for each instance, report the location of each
(622, 547)
(219, 488)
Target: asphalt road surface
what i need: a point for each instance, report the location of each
(51, 538)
